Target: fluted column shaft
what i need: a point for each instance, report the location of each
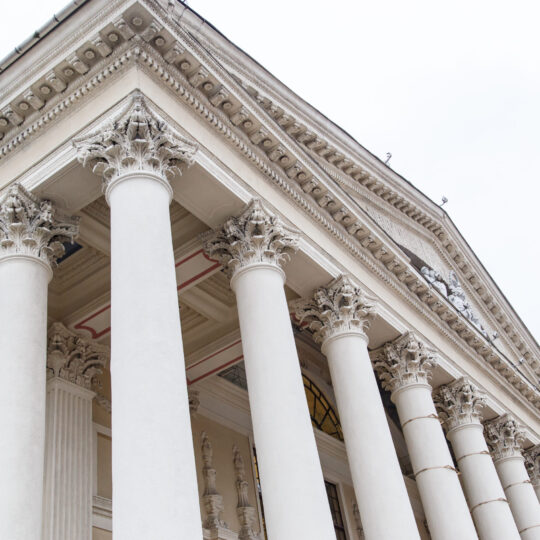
(405, 366)
(67, 509)
(505, 438)
(338, 315)
(29, 243)
(152, 451)
(251, 248)
(459, 404)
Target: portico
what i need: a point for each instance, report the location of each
(205, 233)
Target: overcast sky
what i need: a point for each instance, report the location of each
(451, 89)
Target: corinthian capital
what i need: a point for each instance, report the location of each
(504, 437)
(135, 141)
(532, 462)
(30, 226)
(256, 236)
(338, 308)
(459, 403)
(74, 359)
(403, 362)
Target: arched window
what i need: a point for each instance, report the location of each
(322, 414)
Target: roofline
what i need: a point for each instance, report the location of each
(40, 33)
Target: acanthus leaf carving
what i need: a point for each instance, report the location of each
(135, 141)
(256, 236)
(403, 362)
(504, 437)
(532, 462)
(30, 226)
(338, 308)
(74, 359)
(459, 403)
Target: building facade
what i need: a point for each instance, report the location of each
(223, 318)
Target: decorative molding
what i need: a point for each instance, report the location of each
(135, 141)
(73, 358)
(256, 236)
(338, 308)
(459, 403)
(212, 500)
(403, 362)
(504, 437)
(247, 515)
(532, 462)
(33, 227)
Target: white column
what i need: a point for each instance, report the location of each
(459, 404)
(252, 249)
(339, 314)
(532, 462)
(505, 438)
(404, 367)
(154, 478)
(30, 235)
(72, 364)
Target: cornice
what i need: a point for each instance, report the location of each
(215, 96)
(354, 167)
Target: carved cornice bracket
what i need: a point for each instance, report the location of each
(135, 141)
(404, 362)
(338, 308)
(256, 236)
(34, 227)
(504, 437)
(459, 403)
(71, 357)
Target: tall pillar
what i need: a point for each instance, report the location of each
(405, 367)
(459, 404)
(252, 248)
(338, 315)
(152, 450)
(72, 365)
(31, 236)
(505, 438)
(532, 462)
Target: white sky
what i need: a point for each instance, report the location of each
(451, 89)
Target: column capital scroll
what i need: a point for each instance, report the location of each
(532, 462)
(336, 309)
(136, 141)
(459, 403)
(72, 358)
(33, 227)
(504, 437)
(403, 362)
(256, 236)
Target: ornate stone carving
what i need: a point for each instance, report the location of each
(74, 359)
(459, 403)
(246, 513)
(30, 226)
(504, 437)
(194, 401)
(136, 141)
(532, 462)
(358, 521)
(256, 236)
(434, 278)
(212, 500)
(403, 362)
(458, 298)
(338, 308)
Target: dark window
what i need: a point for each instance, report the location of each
(322, 414)
(335, 509)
